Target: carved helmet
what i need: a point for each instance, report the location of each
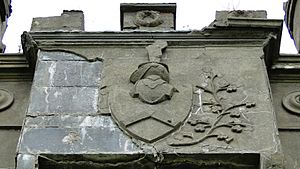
(150, 68)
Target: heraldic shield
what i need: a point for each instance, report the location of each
(151, 106)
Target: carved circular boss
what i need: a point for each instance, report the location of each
(148, 18)
(292, 102)
(6, 99)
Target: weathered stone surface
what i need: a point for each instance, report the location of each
(9, 140)
(68, 21)
(234, 65)
(221, 15)
(285, 83)
(240, 67)
(68, 73)
(227, 18)
(229, 112)
(93, 138)
(291, 146)
(148, 17)
(59, 56)
(246, 85)
(68, 121)
(75, 141)
(26, 161)
(14, 115)
(286, 119)
(96, 161)
(63, 100)
(148, 162)
(65, 84)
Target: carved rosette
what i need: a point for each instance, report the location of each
(6, 99)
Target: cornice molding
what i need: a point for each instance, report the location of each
(286, 69)
(235, 32)
(15, 67)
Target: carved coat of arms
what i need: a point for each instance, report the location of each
(150, 107)
(152, 102)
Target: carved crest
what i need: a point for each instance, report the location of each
(151, 107)
(154, 104)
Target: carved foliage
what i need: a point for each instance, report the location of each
(219, 116)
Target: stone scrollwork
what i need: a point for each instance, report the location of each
(148, 18)
(6, 99)
(291, 102)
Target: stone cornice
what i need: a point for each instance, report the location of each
(15, 67)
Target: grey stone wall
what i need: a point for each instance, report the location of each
(63, 115)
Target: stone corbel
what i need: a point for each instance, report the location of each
(30, 48)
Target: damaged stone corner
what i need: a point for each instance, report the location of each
(26, 161)
(275, 161)
(70, 20)
(223, 17)
(256, 19)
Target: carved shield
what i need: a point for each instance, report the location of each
(150, 104)
(149, 122)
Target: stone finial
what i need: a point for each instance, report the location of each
(143, 16)
(68, 21)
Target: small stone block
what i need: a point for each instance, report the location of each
(63, 100)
